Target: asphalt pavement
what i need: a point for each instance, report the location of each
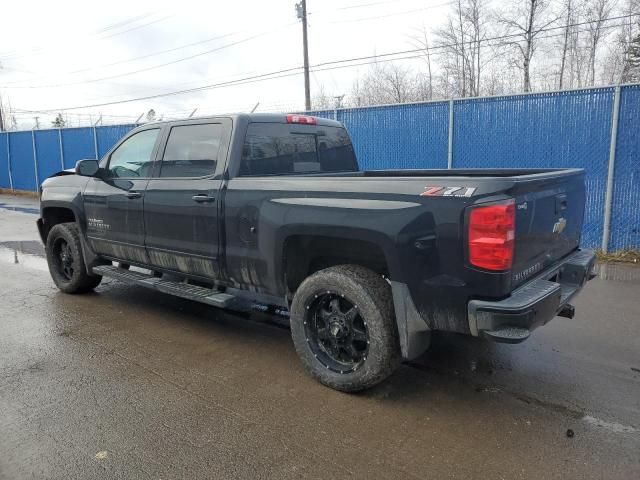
(130, 383)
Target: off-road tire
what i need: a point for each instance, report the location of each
(74, 278)
(371, 293)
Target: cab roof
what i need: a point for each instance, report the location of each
(253, 118)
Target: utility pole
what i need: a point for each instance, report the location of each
(301, 10)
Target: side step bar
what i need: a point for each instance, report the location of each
(178, 289)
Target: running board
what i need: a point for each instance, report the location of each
(178, 289)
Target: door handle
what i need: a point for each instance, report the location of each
(203, 198)
(133, 194)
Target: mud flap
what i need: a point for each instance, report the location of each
(414, 333)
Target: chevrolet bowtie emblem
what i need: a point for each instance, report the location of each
(560, 225)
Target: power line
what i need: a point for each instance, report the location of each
(370, 4)
(178, 92)
(142, 57)
(331, 65)
(12, 56)
(394, 14)
(161, 52)
(153, 67)
(470, 42)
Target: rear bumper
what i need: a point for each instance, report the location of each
(533, 304)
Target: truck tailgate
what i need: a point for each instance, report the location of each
(549, 216)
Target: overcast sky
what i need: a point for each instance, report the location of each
(57, 55)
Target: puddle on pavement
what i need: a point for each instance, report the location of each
(17, 208)
(29, 254)
(620, 272)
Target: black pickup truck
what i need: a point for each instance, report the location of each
(272, 210)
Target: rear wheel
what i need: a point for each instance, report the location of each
(66, 262)
(343, 327)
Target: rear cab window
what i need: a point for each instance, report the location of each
(277, 149)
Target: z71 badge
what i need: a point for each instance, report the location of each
(448, 191)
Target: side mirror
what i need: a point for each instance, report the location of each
(87, 168)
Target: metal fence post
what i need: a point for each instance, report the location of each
(35, 157)
(95, 141)
(61, 149)
(450, 146)
(608, 200)
(335, 114)
(9, 164)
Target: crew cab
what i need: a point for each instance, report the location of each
(272, 210)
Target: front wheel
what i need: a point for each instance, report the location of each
(343, 327)
(66, 262)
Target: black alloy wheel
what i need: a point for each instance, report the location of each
(66, 260)
(336, 332)
(63, 256)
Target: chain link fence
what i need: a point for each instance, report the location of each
(546, 130)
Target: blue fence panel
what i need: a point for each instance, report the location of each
(4, 162)
(108, 136)
(77, 144)
(22, 164)
(48, 153)
(569, 129)
(625, 212)
(399, 136)
(566, 129)
(321, 113)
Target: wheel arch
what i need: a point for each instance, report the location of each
(305, 251)
(53, 214)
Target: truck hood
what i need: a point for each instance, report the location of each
(68, 171)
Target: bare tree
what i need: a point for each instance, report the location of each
(321, 100)
(396, 84)
(476, 52)
(460, 41)
(385, 83)
(421, 40)
(569, 17)
(620, 58)
(474, 15)
(597, 11)
(527, 19)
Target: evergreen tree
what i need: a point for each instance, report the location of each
(59, 122)
(634, 60)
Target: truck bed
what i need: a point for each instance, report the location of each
(513, 173)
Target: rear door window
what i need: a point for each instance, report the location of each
(192, 150)
(272, 149)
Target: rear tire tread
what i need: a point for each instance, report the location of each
(373, 296)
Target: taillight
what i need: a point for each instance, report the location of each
(304, 119)
(491, 235)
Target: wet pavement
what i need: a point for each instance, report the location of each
(131, 383)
